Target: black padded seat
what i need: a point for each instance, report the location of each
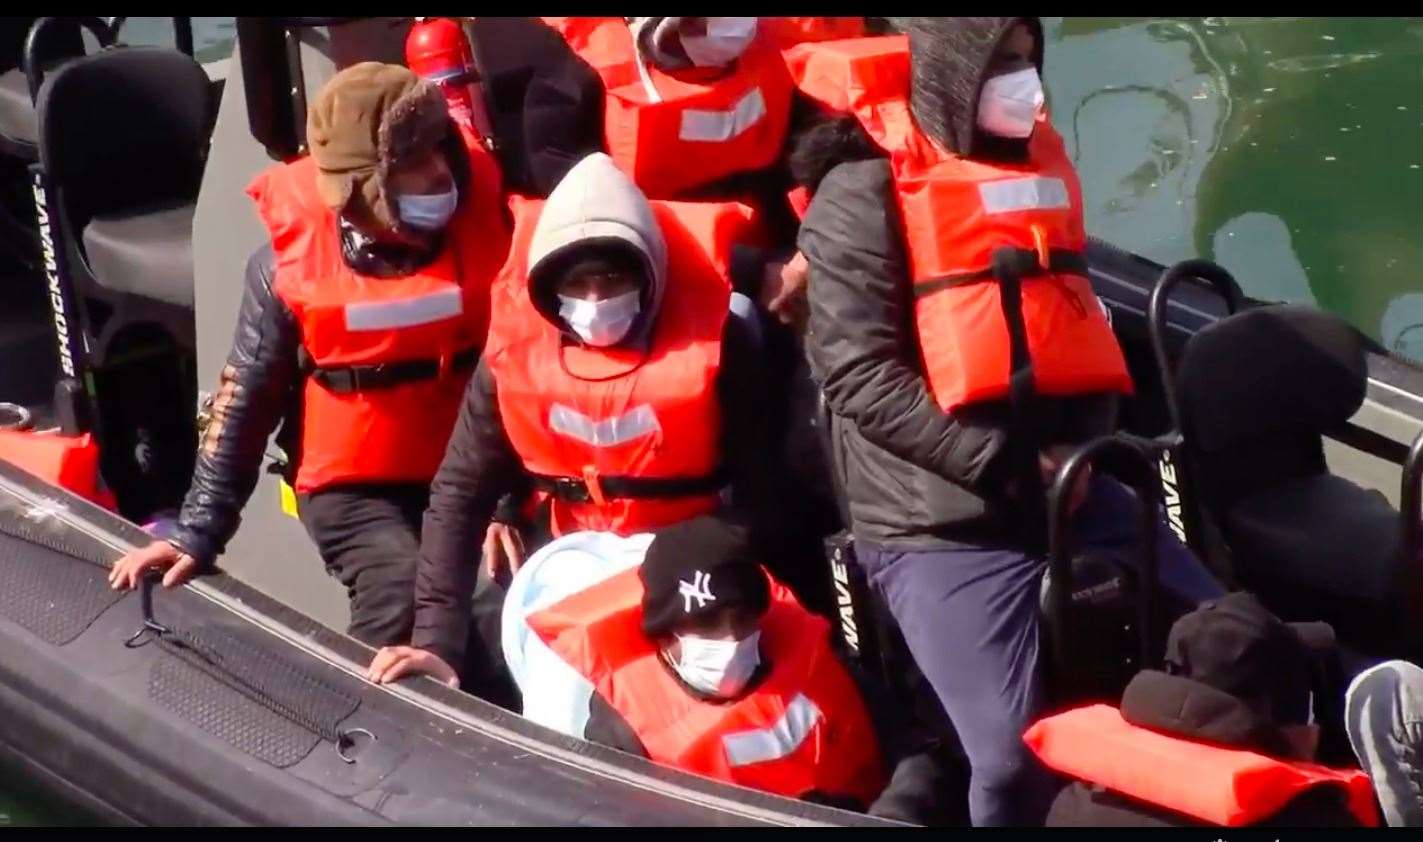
(1259, 390)
(149, 254)
(19, 124)
(1320, 533)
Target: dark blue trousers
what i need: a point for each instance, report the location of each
(970, 618)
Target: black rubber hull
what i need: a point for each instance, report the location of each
(160, 734)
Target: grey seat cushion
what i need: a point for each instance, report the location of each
(18, 121)
(1321, 533)
(148, 254)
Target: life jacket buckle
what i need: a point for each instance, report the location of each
(595, 488)
(570, 490)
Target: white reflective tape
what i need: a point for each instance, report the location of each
(1020, 194)
(634, 424)
(718, 126)
(780, 740)
(405, 312)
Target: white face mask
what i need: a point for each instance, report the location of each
(725, 41)
(427, 211)
(718, 667)
(1010, 104)
(601, 323)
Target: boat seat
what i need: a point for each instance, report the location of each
(123, 140)
(1258, 392)
(1320, 533)
(149, 254)
(19, 124)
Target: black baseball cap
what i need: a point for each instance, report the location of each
(1235, 645)
(697, 567)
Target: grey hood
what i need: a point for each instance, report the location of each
(948, 58)
(596, 204)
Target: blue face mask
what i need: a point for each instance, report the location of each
(427, 211)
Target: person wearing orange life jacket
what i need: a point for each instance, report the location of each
(702, 108)
(691, 107)
(699, 661)
(360, 325)
(1223, 737)
(946, 157)
(615, 383)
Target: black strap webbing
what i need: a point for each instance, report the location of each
(363, 378)
(1060, 262)
(575, 490)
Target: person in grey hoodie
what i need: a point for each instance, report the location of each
(596, 241)
(935, 500)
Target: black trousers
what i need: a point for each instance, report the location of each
(369, 537)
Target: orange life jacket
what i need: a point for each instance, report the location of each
(786, 32)
(673, 132)
(624, 440)
(434, 319)
(802, 728)
(69, 462)
(1222, 786)
(956, 214)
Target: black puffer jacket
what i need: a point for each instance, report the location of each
(260, 388)
(1193, 711)
(914, 475)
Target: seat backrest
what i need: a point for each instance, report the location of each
(1258, 390)
(62, 41)
(126, 127)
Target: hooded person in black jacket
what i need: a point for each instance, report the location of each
(548, 105)
(571, 249)
(1238, 678)
(939, 526)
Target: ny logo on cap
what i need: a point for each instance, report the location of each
(695, 589)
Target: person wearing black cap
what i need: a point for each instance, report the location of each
(701, 661)
(1224, 736)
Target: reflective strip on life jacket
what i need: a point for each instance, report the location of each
(776, 741)
(1019, 194)
(718, 126)
(405, 312)
(610, 432)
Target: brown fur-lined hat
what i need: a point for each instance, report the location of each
(366, 120)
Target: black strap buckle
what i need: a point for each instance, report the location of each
(571, 490)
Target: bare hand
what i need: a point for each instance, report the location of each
(395, 662)
(783, 290)
(159, 555)
(503, 547)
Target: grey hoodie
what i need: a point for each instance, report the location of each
(593, 204)
(596, 203)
